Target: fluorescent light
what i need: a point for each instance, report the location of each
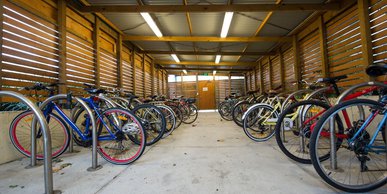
(217, 59)
(226, 24)
(184, 71)
(175, 58)
(214, 72)
(151, 24)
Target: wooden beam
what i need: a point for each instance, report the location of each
(204, 69)
(134, 69)
(323, 47)
(120, 78)
(225, 53)
(143, 75)
(282, 70)
(96, 34)
(152, 78)
(365, 34)
(206, 63)
(62, 48)
(270, 74)
(211, 8)
(261, 84)
(207, 39)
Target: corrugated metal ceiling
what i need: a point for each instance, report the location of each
(244, 24)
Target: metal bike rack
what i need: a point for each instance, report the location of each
(94, 163)
(48, 180)
(316, 92)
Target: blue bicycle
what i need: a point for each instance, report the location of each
(121, 137)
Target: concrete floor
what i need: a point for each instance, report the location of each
(211, 156)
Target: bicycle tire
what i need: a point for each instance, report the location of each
(238, 111)
(193, 114)
(126, 127)
(23, 146)
(260, 134)
(154, 130)
(320, 168)
(224, 110)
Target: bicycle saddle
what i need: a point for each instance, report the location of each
(95, 91)
(331, 79)
(377, 69)
(131, 96)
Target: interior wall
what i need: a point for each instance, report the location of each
(336, 43)
(50, 42)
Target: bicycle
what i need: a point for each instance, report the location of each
(118, 131)
(359, 162)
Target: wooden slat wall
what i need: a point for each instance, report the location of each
(344, 48)
(257, 78)
(127, 69)
(266, 76)
(31, 45)
(310, 58)
(378, 23)
(148, 79)
(289, 69)
(139, 75)
(29, 49)
(248, 81)
(221, 90)
(237, 85)
(276, 73)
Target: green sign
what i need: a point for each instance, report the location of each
(205, 74)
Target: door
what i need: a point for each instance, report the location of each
(206, 94)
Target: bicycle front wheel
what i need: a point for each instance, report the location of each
(121, 137)
(359, 163)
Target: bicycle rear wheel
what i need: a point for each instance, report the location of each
(259, 121)
(152, 120)
(192, 114)
(20, 134)
(359, 164)
(225, 109)
(237, 112)
(121, 137)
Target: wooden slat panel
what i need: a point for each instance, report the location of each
(289, 69)
(378, 23)
(276, 72)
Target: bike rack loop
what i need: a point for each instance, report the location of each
(94, 161)
(291, 95)
(48, 180)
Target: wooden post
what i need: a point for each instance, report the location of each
(152, 79)
(229, 83)
(282, 70)
(181, 84)
(323, 47)
(297, 62)
(97, 25)
(261, 84)
(120, 77)
(246, 87)
(158, 80)
(197, 88)
(143, 76)
(134, 69)
(270, 73)
(365, 34)
(62, 46)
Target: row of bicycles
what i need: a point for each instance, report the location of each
(124, 123)
(343, 134)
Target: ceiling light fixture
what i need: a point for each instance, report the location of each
(184, 71)
(151, 24)
(217, 59)
(226, 24)
(175, 58)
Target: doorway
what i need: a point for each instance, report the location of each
(206, 92)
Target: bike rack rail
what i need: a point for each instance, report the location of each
(48, 180)
(94, 162)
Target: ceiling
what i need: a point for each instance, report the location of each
(207, 24)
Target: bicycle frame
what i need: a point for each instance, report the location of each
(53, 106)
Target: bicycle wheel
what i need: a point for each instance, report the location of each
(360, 163)
(237, 112)
(152, 120)
(124, 127)
(169, 118)
(294, 127)
(20, 134)
(259, 121)
(225, 109)
(192, 114)
(178, 114)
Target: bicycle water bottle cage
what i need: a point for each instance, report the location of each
(377, 69)
(331, 80)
